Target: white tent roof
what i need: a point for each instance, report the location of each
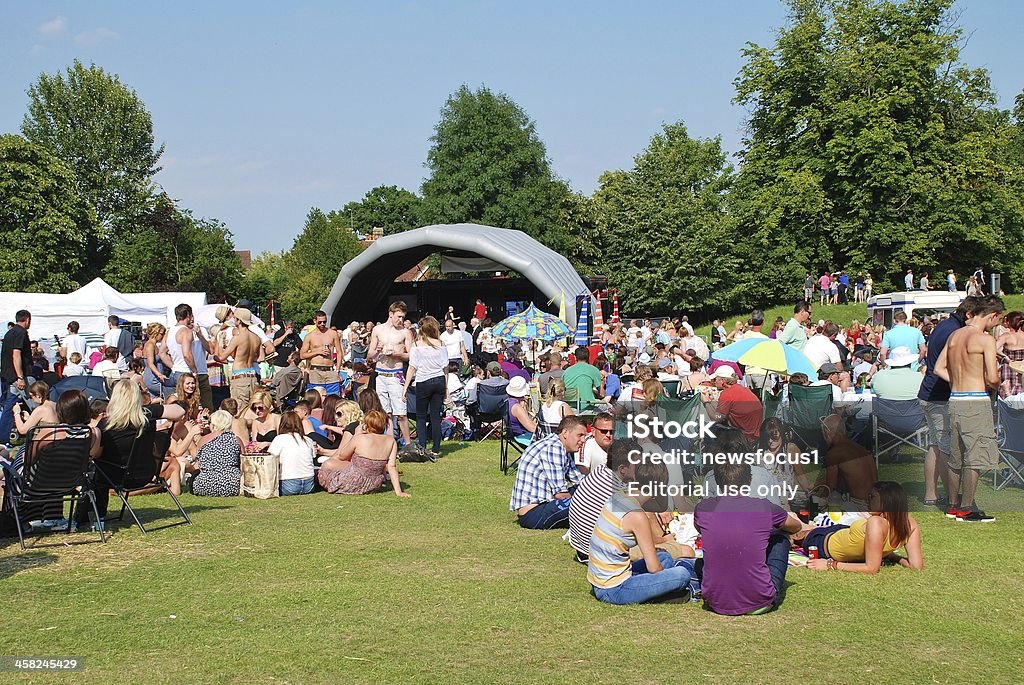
(51, 313)
(98, 290)
(90, 306)
(169, 301)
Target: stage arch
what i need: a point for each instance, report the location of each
(360, 291)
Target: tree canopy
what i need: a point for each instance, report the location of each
(43, 220)
(102, 130)
(870, 146)
(488, 165)
(389, 207)
(171, 250)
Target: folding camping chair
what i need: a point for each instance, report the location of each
(491, 407)
(682, 411)
(808, 405)
(572, 398)
(136, 472)
(508, 444)
(1010, 435)
(902, 420)
(57, 469)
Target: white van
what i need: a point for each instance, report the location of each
(916, 303)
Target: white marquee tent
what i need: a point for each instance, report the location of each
(90, 306)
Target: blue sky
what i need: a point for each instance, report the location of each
(268, 109)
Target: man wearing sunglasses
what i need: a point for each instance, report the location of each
(595, 449)
(322, 347)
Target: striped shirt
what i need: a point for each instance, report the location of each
(610, 544)
(544, 470)
(587, 502)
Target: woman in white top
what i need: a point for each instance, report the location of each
(295, 451)
(428, 365)
(554, 408)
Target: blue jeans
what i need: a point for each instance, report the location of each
(777, 560)
(643, 586)
(296, 486)
(553, 514)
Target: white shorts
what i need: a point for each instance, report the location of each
(389, 390)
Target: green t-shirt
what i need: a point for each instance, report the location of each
(585, 378)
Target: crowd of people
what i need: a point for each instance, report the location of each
(578, 475)
(335, 413)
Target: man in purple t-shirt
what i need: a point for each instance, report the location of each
(746, 548)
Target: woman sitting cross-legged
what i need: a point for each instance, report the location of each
(295, 451)
(622, 525)
(215, 471)
(864, 545)
(359, 465)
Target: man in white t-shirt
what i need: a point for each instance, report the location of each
(455, 343)
(697, 344)
(821, 349)
(595, 448)
(73, 342)
(686, 324)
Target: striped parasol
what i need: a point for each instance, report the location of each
(581, 326)
(598, 318)
(615, 308)
(530, 324)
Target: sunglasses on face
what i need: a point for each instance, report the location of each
(257, 407)
(604, 431)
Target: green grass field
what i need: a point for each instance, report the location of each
(444, 587)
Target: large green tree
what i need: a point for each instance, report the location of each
(870, 146)
(43, 220)
(389, 207)
(102, 130)
(488, 165)
(666, 237)
(171, 250)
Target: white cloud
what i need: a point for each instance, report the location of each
(96, 36)
(54, 26)
(37, 49)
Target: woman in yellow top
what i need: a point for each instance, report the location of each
(863, 546)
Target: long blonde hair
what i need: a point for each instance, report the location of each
(124, 409)
(191, 403)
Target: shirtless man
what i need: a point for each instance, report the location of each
(389, 346)
(968, 364)
(848, 460)
(322, 347)
(244, 348)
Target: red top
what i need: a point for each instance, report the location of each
(742, 409)
(480, 311)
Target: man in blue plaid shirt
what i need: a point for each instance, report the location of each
(546, 477)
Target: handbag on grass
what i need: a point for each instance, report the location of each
(261, 475)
